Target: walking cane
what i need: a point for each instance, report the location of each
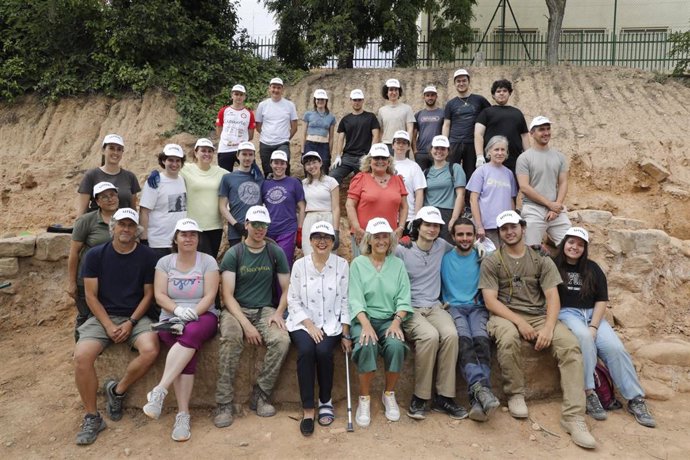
(349, 399)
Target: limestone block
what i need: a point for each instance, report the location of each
(638, 266)
(654, 169)
(52, 246)
(628, 311)
(676, 353)
(593, 216)
(657, 390)
(627, 223)
(9, 266)
(19, 246)
(637, 241)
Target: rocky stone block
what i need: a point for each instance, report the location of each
(591, 216)
(52, 246)
(657, 390)
(19, 246)
(629, 312)
(637, 241)
(654, 169)
(627, 223)
(675, 353)
(9, 266)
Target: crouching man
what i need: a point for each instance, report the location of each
(118, 283)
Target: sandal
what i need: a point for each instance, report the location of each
(306, 426)
(326, 415)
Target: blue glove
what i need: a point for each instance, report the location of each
(154, 179)
(256, 172)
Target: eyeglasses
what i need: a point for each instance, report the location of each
(108, 197)
(259, 225)
(320, 237)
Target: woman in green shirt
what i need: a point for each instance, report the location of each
(379, 292)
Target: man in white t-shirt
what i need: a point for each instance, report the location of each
(276, 122)
(235, 124)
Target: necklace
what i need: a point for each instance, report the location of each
(464, 100)
(381, 180)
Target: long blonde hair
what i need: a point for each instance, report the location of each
(365, 165)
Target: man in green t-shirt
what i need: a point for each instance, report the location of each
(250, 271)
(520, 289)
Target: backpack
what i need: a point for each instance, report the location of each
(273, 255)
(603, 387)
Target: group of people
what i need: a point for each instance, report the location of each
(432, 266)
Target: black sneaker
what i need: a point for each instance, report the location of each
(417, 408)
(114, 405)
(486, 398)
(90, 427)
(638, 407)
(594, 407)
(450, 407)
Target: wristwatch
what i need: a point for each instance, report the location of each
(133, 321)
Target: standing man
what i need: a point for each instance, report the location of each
(430, 327)
(394, 115)
(357, 131)
(428, 123)
(459, 117)
(276, 122)
(542, 174)
(520, 288)
(118, 282)
(235, 124)
(504, 120)
(460, 290)
(249, 272)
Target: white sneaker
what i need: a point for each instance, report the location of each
(155, 399)
(391, 406)
(517, 406)
(363, 415)
(182, 430)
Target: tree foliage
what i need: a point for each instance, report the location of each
(190, 47)
(681, 50)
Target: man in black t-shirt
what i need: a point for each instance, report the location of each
(356, 132)
(501, 119)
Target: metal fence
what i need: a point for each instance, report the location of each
(643, 50)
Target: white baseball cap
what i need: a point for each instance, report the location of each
(440, 141)
(578, 232)
(320, 94)
(311, 154)
(356, 94)
(538, 121)
(508, 217)
(379, 150)
(279, 155)
(430, 89)
(322, 227)
(461, 73)
(126, 213)
(246, 145)
(102, 187)
(173, 150)
(113, 139)
(276, 81)
(401, 135)
(239, 89)
(187, 225)
(430, 215)
(392, 83)
(258, 214)
(203, 142)
(378, 225)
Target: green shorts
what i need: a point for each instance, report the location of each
(92, 329)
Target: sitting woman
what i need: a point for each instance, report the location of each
(379, 292)
(584, 294)
(185, 287)
(318, 320)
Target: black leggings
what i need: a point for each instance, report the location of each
(314, 359)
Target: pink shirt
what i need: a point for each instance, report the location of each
(373, 200)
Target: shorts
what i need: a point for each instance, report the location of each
(92, 329)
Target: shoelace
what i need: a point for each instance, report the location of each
(182, 420)
(91, 423)
(639, 406)
(157, 396)
(580, 425)
(117, 401)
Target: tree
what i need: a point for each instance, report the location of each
(553, 34)
(681, 50)
(451, 26)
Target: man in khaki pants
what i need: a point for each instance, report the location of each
(520, 291)
(430, 328)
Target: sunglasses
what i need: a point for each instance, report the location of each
(380, 158)
(259, 225)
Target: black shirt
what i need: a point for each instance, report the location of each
(357, 129)
(508, 121)
(569, 290)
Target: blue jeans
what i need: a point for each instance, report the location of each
(608, 346)
(474, 360)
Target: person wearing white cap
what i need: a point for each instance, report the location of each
(118, 281)
(458, 125)
(412, 174)
(357, 131)
(395, 115)
(428, 123)
(283, 196)
(127, 184)
(376, 191)
(379, 295)
(322, 197)
(430, 327)
(445, 185)
(276, 122)
(501, 120)
(185, 286)
(542, 174)
(240, 190)
(318, 321)
(89, 230)
(250, 272)
(163, 206)
(235, 123)
(319, 129)
(584, 298)
(520, 288)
